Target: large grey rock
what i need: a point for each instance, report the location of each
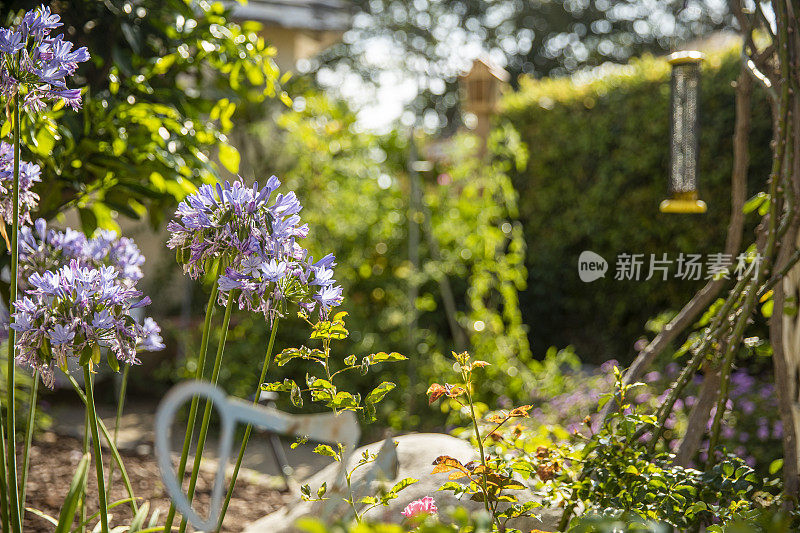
(412, 457)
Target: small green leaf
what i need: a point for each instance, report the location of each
(369, 413)
(86, 356)
(753, 203)
(344, 400)
(402, 484)
(287, 385)
(296, 396)
(317, 383)
(327, 451)
(287, 355)
(382, 357)
(97, 354)
(379, 392)
(112, 361)
(453, 487)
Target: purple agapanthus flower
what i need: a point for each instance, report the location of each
(151, 339)
(43, 249)
(29, 174)
(118, 261)
(256, 239)
(74, 309)
(36, 64)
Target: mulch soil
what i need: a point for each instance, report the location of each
(55, 457)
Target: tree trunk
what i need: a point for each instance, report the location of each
(785, 329)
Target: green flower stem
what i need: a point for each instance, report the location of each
(98, 456)
(26, 456)
(11, 434)
(85, 450)
(201, 438)
(114, 452)
(201, 362)
(249, 428)
(352, 499)
(480, 448)
(120, 406)
(3, 486)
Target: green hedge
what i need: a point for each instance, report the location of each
(597, 171)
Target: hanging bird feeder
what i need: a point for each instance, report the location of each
(685, 133)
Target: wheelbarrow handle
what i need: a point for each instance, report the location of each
(165, 416)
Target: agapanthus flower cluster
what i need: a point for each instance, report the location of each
(424, 506)
(76, 311)
(29, 173)
(36, 64)
(256, 241)
(42, 249)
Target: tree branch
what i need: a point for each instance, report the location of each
(701, 411)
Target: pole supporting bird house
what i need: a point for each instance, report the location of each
(685, 134)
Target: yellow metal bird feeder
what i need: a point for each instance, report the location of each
(684, 134)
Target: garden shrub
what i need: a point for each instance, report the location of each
(599, 152)
(611, 469)
(566, 392)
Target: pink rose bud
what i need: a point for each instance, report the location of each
(426, 505)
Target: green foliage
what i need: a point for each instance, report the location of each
(598, 160)
(354, 189)
(621, 477)
(628, 524)
(161, 91)
(366, 502)
(324, 389)
(474, 222)
(754, 521)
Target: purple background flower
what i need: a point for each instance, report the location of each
(237, 226)
(75, 308)
(30, 56)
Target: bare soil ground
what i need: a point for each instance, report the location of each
(55, 457)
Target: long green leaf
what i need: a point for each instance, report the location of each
(154, 518)
(76, 488)
(42, 514)
(138, 521)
